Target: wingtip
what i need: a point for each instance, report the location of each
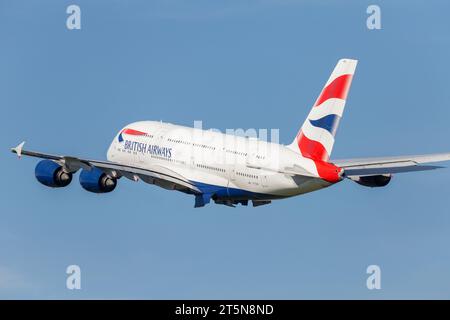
(18, 149)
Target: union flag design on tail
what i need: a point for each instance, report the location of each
(316, 137)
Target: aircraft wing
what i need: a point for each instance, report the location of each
(387, 165)
(154, 174)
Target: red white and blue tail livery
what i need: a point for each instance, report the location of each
(315, 139)
(230, 169)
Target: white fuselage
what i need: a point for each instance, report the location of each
(250, 168)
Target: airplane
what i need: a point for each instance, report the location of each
(231, 169)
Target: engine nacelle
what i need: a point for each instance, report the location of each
(95, 180)
(373, 181)
(51, 174)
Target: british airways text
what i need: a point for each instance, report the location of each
(148, 148)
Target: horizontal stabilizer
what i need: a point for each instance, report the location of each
(390, 165)
(387, 170)
(415, 159)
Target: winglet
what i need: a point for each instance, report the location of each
(18, 149)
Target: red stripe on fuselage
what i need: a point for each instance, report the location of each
(338, 88)
(133, 132)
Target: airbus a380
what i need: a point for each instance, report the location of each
(232, 169)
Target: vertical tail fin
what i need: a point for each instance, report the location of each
(315, 139)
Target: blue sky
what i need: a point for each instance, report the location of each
(231, 64)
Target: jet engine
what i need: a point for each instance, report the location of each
(51, 174)
(95, 180)
(373, 181)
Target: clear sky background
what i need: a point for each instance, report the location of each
(231, 64)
